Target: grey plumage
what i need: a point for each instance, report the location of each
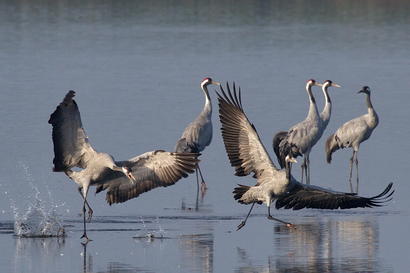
(301, 137)
(123, 179)
(352, 134)
(247, 155)
(198, 134)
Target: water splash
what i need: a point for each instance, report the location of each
(37, 221)
(39, 218)
(151, 234)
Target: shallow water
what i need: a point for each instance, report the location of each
(136, 67)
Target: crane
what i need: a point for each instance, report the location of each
(123, 180)
(198, 134)
(352, 134)
(300, 138)
(248, 155)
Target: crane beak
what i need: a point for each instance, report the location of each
(335, 85)
(216, 83)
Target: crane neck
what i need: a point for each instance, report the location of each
(313, 112)
(374, 119)
(369, 103)
(208, 104)
(327, 109)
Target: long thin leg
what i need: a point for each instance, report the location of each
(303, 167)
(307, 169)
(246, 218)
(351, 170)
(90, 210)
(85, 191)
(276, 219)
(203, 184)
(197, 189)
(357, 174)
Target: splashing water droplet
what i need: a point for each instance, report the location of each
(39, 219)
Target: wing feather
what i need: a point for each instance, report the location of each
(151, 170)
(307, 196)
(243, 145)
(71, 145)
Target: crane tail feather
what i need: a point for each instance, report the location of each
(331, 146)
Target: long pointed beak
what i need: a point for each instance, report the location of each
(318, 84)
(216, 83)
(335, 85)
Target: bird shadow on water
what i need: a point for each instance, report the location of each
(321, 245)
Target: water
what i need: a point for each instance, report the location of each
(136, 67)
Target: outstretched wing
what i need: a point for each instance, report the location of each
(151, 170)
(242, 143)
(71, 146)
(306, 196)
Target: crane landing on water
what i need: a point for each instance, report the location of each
(248, 155)
(198, 134)
(123, 180)
(351, 134)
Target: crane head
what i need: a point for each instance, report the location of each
(328, 83)
(208, 81)
(128, 172)
(365, 89)
(312, 82)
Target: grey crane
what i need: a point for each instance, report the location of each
(300, 138)
(198, 134)
(247, 155)
(280, 144)
(351, 134)
(123, 180)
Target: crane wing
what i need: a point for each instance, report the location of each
(71, 145)
(242, 143)
(308, 196)
(151, 170)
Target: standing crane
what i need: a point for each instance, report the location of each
(198, 134)
(247, 155)
(351, 134)
(123, 180)
(300, 138)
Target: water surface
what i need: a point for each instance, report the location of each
(136, 67)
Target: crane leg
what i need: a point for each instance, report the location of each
(278, 220)
(197, 189)
(357, 173)
(304, 168)
(85, 191)
(308, 170)
(203, 184)
(351, 170)
(246, 218)
(90, 210)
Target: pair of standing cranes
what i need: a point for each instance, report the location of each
(124, 180)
